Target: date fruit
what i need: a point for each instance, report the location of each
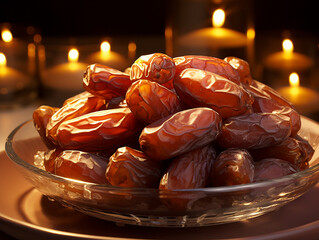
(270, 168)
(82, 166)
(98, 131)
(41, 116)
(242, 67)
(232, 167)
(199, 88)
(156, 67)
(150, 101)
(180, 133)
(210, 64)
(255, 130)
(105, 82)
(189, 170)
(132, 168)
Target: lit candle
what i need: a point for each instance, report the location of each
(287, 59)
(10, 79)
(66, 76)
(304, 99)
(107, 57)
(215, 37)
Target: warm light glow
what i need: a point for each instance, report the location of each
(6, 35)
(287, 46)
(294, 79)
(73, 55)
(3, 60)
(31, 50)
(132, 47)
(251, 33)
(218, 18)
(105, 47)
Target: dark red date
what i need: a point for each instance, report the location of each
(180, 133)
(210, 64)
(271, 168)
(156, 67)
(41, 116)
(242, 68)
(132, 168)
(232, 167)
(98, 131)
(256, 130)
(189, 170)
(199, 88)
(150, 101)
(105, 82)
(82, 166)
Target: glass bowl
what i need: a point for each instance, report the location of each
(163, 208)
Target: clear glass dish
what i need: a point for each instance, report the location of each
(153, 207)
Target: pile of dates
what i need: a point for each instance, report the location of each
(173, 123)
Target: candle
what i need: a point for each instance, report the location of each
(66, 76)
(287, 59)
(10, 79)
(304, 99)
(107, 57)
(215, 37)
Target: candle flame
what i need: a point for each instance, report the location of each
(294, 80)
(218, 18)
(3, 60)
(6, 35)
(287, 46)
(105, 47)
(251, 33)
(73, 55)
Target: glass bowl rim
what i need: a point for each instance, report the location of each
(222, 189)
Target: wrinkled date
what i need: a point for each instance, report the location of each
(156, 67)
(99, 130)
(105, 82)
(132, 168)
(199, 88)
(269, 103)
(73, 108)
(210, 64)
(189, 170)
(271, 168)
(297, 152)
(232, 167)
(242, 67)
(150, 101)
(41, 116)
(82, 166)
(180, 133)
(256, 130)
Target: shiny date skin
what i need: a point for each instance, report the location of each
(199, 88)
(150, 101)
(266, 103)
(189, 170)
(156, 67)
(98, 131)
(80, 165)
(232, 167)
(105, 82)
(132, 168)
(73, 108)
(210, 64)
(242, 68)
(271, 168)
(296, 151)
(255, 130)
(180, 133)
(41, 116)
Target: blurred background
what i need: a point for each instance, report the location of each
(38, 64)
